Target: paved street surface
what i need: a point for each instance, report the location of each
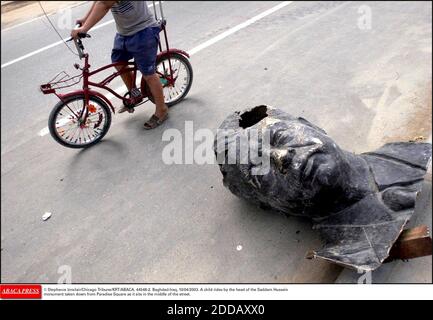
(119, 214)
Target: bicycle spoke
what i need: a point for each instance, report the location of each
(88, 134)
(67, 130)
(73, 134)
(69, 115)
(72, 112)
(64, 125)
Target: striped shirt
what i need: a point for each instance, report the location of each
(132, 16)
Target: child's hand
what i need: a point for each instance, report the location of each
(75, 32)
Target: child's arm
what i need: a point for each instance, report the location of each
(97, 12)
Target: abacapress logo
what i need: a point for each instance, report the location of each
(20, 291)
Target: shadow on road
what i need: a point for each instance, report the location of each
(98, 152)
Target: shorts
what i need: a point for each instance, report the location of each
(142, 46)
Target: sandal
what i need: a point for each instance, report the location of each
(154, 121)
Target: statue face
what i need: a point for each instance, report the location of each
(303, 162)
(307, 173)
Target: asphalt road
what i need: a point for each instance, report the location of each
(119, 214)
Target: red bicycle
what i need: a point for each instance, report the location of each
(83, 117)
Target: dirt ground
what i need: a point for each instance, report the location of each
(418, 125)
(16, 12)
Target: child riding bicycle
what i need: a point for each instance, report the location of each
(137, 37)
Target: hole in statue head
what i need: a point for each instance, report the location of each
(250, 118)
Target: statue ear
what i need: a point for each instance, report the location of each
(399, 198)
(308, 123)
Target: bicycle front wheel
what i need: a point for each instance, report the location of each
(68, 127)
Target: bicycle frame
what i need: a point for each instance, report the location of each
(126, 67)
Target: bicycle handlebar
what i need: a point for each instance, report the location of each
(81, 35)
(78, 42)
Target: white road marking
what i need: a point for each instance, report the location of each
(44, 132)
(238, 27)
(206, 44)
(23, 23)
(30, 54)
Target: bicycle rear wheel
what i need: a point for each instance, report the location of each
(176, 90)
(67, 128)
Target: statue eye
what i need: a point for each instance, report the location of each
(282, 137)
(277, 136)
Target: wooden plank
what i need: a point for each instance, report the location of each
(412, 243)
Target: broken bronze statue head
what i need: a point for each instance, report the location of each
(359, 203)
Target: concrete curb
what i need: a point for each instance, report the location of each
(7, 6)
(25, 12)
